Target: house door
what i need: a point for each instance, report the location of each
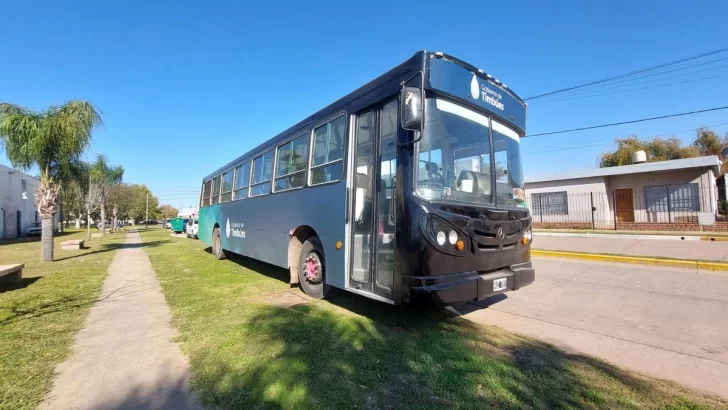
(625, 205)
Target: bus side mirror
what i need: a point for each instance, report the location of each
(411, 112)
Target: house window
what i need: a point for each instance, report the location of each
(291, 164)
(550, 203)
(672, 198)
(227, 187)
(328, 151)
(242, 177)
(262, 174)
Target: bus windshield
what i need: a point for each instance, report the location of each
(455, 157)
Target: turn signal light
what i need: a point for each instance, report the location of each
(460, 245)
(524, 240)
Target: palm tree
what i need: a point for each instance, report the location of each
(104, 176)
(53, 140)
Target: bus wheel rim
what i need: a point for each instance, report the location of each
(313, 268)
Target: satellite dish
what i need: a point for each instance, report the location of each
(724, 153)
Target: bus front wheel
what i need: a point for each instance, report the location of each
(217, 249)
(312, 268)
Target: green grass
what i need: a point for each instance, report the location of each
(40, 316)
(251, 348)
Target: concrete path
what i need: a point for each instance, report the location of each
(702, 250)
(668, 322)
(124, 358)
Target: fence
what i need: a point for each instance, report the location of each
(664, 207)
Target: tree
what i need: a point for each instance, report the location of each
(104, 175)
(92, 200)
(73, 194)
(168, 211)
(52, 140)
(120, 199)
(658, 149)
(709, 143)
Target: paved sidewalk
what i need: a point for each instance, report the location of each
(675, 249)
(124, 358)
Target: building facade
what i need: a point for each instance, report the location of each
(17, 202)
(664, 195)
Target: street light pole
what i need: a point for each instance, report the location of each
(146, 219)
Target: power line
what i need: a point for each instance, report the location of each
(663, 72)
(628, 122)
(628, 74)
(611, 140)
(589, 95)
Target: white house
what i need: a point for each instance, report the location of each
(187, 212)
(644, 195)
(17, 203)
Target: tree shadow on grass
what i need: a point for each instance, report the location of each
(370, 355)
(30, 239)
(109, 247)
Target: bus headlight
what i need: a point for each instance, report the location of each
(444, 235)
(527, 236)
(452, 237)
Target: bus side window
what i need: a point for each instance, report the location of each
(328, 151)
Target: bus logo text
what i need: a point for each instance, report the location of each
(478, 92)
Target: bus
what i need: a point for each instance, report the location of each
(410, 186)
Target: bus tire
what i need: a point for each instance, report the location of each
(217, 249)
(312, 270)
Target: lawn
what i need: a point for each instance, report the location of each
(40, 316)
(255, 343)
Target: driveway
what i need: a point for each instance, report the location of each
(668, 322)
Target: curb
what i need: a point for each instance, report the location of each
(600, 257)
(714, 238)
(625, 236)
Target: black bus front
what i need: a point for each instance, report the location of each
(467, 234)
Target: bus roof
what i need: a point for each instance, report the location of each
(417, 62)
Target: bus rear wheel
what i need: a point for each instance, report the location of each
(217, 249)
(312, 270)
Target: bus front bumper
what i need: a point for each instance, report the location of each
(473, 286)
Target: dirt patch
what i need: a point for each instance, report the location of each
(287, 299)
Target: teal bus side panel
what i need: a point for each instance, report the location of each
(209, 215)
(259, 227)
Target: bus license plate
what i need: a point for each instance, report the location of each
(499, 284)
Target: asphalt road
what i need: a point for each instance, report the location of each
(668, 322)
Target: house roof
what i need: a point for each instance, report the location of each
(8, 169)
(711, 162)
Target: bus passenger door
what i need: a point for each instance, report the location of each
(372, 166)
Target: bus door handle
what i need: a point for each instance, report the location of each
(348, 198)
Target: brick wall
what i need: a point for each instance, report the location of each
(680, 226)
(561, 225)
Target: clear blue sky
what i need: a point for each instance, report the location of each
(187, 86)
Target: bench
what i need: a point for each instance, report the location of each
(11, 273)
(72, 245)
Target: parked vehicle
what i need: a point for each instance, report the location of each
(421, 206)
(191, 229)
(34, 229)
(179, 225)
(167, 224)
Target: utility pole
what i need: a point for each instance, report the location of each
(146, 219)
